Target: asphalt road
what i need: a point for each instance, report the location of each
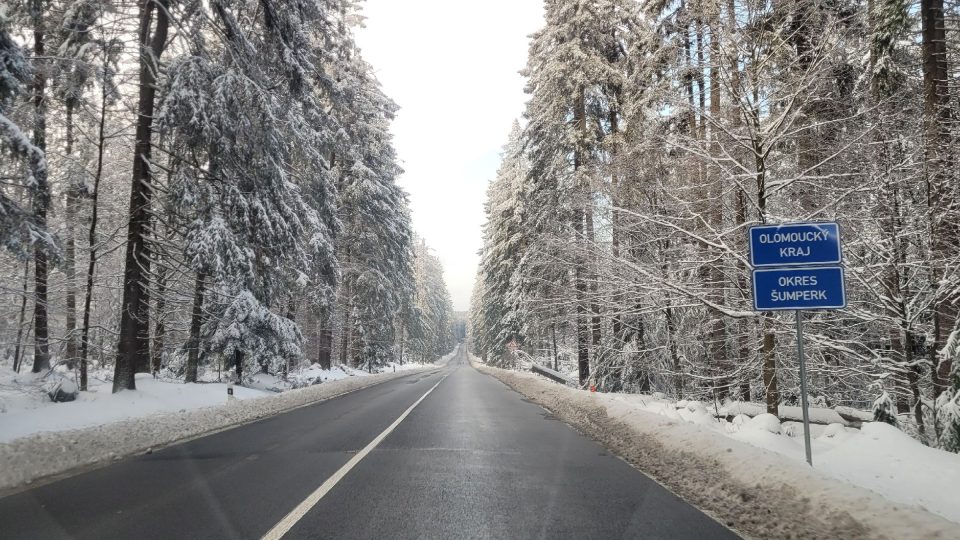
(472, 459)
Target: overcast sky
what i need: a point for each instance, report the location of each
(452, 67)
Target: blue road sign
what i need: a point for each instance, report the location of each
(795, 244)
(776, 289)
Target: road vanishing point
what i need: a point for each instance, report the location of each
(444, 453)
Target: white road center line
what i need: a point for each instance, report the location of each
(295, 515)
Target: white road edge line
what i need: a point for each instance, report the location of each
(295, 515)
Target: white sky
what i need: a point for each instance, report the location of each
(452, 67)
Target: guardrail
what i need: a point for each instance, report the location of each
(555, 376)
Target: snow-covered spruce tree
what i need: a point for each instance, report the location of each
(38, 17)
(495, 318)
(251, 144)
(19, 227)
(574, 82)
(475, 323)
(431, 333)
(376, 242)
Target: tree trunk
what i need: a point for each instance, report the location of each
(159, 328)
(556, 357)
(70, 250)
(134, 341)
(942, 206)
(238, 365)
(716, 287)
(41, 195)
(583, 337)
(324, 349)
(196, 320)
(92, 238)
(346, 324)
(674, 353)
(595, 323)
(745, 349)
(690, 119)
(20, 319)
(770, 368)
(403, 331)
(770, 383)
(913, 381)
(292, 316)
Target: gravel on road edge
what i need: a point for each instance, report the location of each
(48, 456)
(756, 493)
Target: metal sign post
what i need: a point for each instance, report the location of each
(796, 267)
(803, 389)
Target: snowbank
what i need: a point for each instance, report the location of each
(26, 410)
(130, 422)
(737, 470)
(314, 374)
(877, 456)
(818, 415)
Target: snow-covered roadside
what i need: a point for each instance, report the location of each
(25, 409)
(753, 490)
(878, 457)
(314, 374)
(49, 453)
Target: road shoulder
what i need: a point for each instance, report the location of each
(751, 491)
(46, 457)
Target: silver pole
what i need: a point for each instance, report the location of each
(803, 389)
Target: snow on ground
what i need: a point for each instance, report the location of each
(25, 408)
(877, 456)
(39, 438)
(871, 483)
(303, 377)
(314, 374)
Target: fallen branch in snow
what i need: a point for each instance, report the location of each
(51, 455)
(756, 492)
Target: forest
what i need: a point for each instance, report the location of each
(657, 132)
(195, 187)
